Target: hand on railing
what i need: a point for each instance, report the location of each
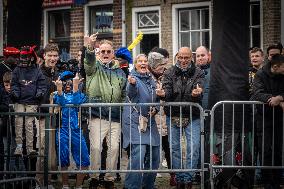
(282, 105)
(275, 100)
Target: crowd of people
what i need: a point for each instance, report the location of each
(31, 78)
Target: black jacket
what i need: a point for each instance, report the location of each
(5, 100)
(50, 75)
(265, 86)
(178, 87)
(28, 85)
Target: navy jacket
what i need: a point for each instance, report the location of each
(28, 85)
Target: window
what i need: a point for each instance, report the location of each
(254, 26)
(101, 20)
(194, 29)
(59, 31)
(146, 20)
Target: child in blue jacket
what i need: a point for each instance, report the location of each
(68, 93)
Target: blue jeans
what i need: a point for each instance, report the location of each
(192, 133)
(140, 160)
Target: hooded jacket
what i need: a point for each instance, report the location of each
(104, 84)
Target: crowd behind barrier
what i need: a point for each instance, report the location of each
(230, 137)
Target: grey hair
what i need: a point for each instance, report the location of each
(155, 59)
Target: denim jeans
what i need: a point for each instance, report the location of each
(192, 134)
(140, 159)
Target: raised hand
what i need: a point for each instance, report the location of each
(197, 91)
(76, 82)
(59, 85)
(131, 80)
(159, 90)
(90, 41)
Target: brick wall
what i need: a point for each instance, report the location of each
(271, 22)
(117, 24)
(76, 29)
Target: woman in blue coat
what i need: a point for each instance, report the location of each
(143, 143)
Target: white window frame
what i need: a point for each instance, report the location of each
(175, 21)
(87, 12)
(45, 21)
(135, 29)
(261, 23)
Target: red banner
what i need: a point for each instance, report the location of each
(56, 3)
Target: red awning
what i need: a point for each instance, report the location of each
(56, 3)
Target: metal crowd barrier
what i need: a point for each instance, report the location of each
(239, 131)
(19, 171)
(55, 118)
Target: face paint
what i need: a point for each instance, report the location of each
(67, 85)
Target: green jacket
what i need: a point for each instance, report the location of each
(104, 83)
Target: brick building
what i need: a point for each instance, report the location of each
(166, 23)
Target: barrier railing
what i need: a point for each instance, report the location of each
(241, 136)
(105, 118)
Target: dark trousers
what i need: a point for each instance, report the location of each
(1, 148)
(230, 155)
(270, 148)
(166, 149)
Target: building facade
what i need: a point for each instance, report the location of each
(168, 24)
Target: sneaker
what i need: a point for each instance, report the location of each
(159, 175)
(65, 187)
(164, 163)
(18, 151)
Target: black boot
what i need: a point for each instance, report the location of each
(94, 183)
(180, 185)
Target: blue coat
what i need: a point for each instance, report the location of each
(142, 92)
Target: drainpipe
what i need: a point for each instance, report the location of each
(123, 24)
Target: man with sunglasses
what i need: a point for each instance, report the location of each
(106, 83)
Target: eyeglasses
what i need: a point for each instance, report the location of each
(106, 51)
(183, 57)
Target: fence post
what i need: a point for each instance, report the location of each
(46, 140)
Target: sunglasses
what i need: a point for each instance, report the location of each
(183, 57)
(106, 51)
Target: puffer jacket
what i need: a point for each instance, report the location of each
(28, 85)
(178, 86)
